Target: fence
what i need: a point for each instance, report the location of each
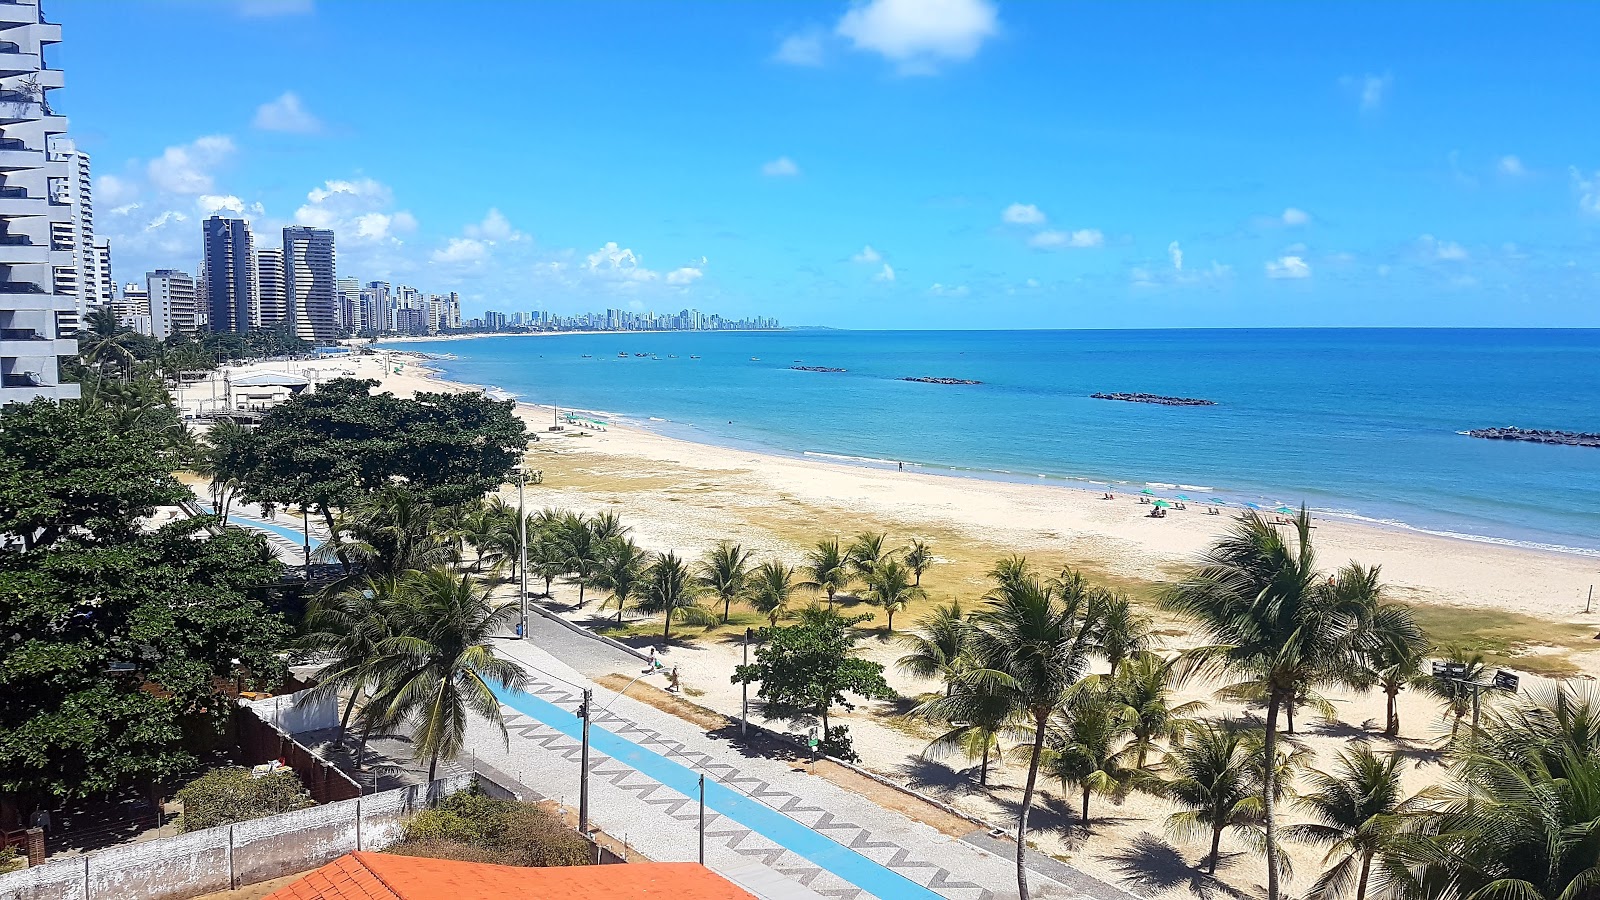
(262, 738)
(229, 856)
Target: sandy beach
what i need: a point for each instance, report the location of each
(1523, 608)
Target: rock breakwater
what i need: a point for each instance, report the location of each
(927, 379)
(1537, 436)
(1154, 398)
(816, 369)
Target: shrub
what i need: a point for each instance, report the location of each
(473, 827)
(226, 796)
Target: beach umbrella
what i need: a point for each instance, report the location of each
(1162, 503)
(1285, 509)
(1219, 501)
(1147, 492)
(1184, 499)
(1251, 506)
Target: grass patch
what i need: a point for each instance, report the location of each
(1506, 638)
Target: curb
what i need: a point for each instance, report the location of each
(579, 629)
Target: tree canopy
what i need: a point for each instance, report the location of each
(812, 666)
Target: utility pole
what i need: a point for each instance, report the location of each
(305, 526)
(702, 818)
(522, 549)
(583, 774)
(744, 688)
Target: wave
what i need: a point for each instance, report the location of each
(1351, 516)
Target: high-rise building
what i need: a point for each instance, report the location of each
(104, 290)
(379, 306)
(81, 261)
(272, 298)
(132, 308)
(349, 290)
(36, 320)
(174, 303)
(308, 275)
(229, 275)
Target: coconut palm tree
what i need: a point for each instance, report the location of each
(621, 571)
(346, 628)
(977, 719)
(770, 588)
(1358, 811)
(484, 531)
(394, 532)
(938, 646)
(670, 588)
(889, 585)
(1010, 568)
(547, 555)
(608, 525)
(1215, 780)
(1087, 751)
(1395, 652)
(918, 558)
(1031, 644)
(1143, 690)
(1455, 693)
(1257, 595)
(825, 569)
(580, 550)
(1127, 631)
(439, 667)
(866, 551)
(1549, 723)
(725, 572)
(103, 341)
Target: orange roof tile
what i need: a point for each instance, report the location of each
(382, 876)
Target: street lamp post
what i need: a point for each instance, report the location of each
(583, 763)
(522, 550)
(744, 687)
(305, 530)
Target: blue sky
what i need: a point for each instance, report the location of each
(893, 163)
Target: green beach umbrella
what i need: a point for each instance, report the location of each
(1162, 503)
(1284, 509)
(1219, 501)
(1184, 499)
(1148, 492)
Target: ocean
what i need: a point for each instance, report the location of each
(1357, 423)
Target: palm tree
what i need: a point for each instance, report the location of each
(918, 558)
(889, 585)
(346, 627)
(1549, 723)
(1455, 693)
(976, 718)
(670, 589)
(608, 525)
(1257, 596)
(770, 588)
(825, 569)
(439, 667)
(1010, 568)
(1216, 781)
(621, 571)
(1087, 751)
(1031, 644)
(103, 340)
(1142, 690)
(1358, 811)
(725, 572)
(1127, 631)
(484, 530)
(866, 551)
(580, 550)
(1395, 651)
(394, 532)
(938, 646)
(547, 555)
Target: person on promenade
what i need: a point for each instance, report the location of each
(672, 681)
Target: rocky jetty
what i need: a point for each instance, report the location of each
(1154, 398)
(1537, 436)
(928, 379)
(816, 369)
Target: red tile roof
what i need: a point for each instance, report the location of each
(382, 876)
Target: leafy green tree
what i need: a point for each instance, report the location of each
(889, 586)
(1032, 643)
(438, 667)
(811, 666)
(919, 558)
(621, 571)
(825, 569)
(1259, 598)
(938, 646)
(670, 589)
(1213, 776)
(1358, 811)
(725, 573)
(770, 589)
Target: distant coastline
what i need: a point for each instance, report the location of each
(427, 338)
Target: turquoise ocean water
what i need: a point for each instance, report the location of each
(1359, 423)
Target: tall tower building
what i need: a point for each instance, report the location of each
(174, 303)
(272, 295)
(230, 276)
(132, 309)
(350, 318)
(84, 270)
(36, 321)
(380, 306)
(308, 274)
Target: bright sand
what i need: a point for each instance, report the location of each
(1524, 606)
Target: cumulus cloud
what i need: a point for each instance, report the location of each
(1370, 90)
(1288, 267)
(1175, 253)
(215, 204)
(1293, 217)
(494, 227)
(357, 210)
(618, 264)
(1588, 191)
(884, 274)
(287, 113)
(1512, 166)
(803, 49)
(684, 275)
(918, 35)
(867, 255)
(1022, 214)
(948, 290)
(188, 168)
(461, 250)
(113, 190)
(782, 167)
(1447, 251)
(1056, 240)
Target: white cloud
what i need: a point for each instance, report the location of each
(1055, 240)
(186, 168)
(684, 275)
(166, 217)
(113, 190)
(1293, 217)
(803, 49)
(1175, 253)
(461, 250)
(1448, 251)
(1023, 214)
(494, 227)
(1588, 191)
(782, 167)
(867, 255)
(213, 204)
(884, 274)
(946, 290)
(918, 34)
(1370, 90)
(1288, 267)
(286, 113)
(618, 264)
(1512, 166)
(357, 210)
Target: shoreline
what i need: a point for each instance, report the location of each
(694, 435)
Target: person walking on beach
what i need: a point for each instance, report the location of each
(652, 663)
(672, 681)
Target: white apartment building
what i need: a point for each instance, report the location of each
(174, 303)
(272, 296)
(87, 276)
(36, 321)
(132, 309)
(350, 313)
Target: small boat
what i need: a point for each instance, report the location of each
(622, 356)
(694, 357)
(588, 356)
(755, 359)
(672, 356)
(641, 354)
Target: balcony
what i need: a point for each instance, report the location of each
(14, 201)
(14, 62)
(17, 106)
(12, 14)
(25, 343)
(14, 159)
(22, 253)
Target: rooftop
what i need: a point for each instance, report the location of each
(382, 876)
(271, 378)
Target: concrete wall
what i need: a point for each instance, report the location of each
(288, 713)
(230, 855)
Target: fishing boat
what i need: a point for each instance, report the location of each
(694, 357)
(755, 359)
(622, 356)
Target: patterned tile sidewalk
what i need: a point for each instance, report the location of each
(661, 821)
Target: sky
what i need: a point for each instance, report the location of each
(872, 163)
